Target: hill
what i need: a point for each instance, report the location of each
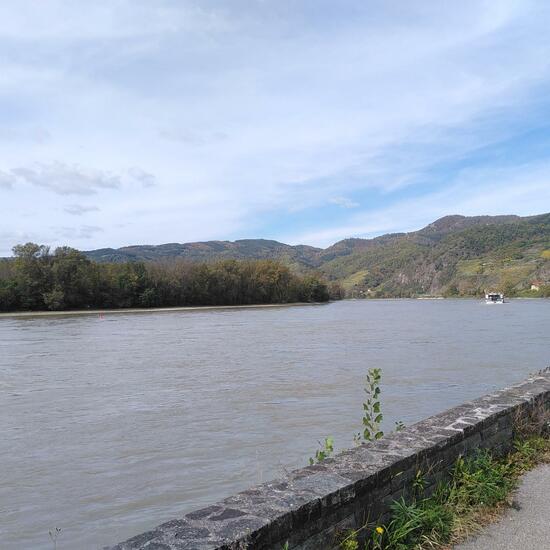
(454, 255)
(299, 257)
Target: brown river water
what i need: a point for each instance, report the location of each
(112, 424)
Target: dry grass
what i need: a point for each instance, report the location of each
(468, 525)
(533, 422)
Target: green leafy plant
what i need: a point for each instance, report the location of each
(411, 522)
(326, 450)
(528, 452)
(372, 414)
(399, 426)
(419, 483)
(479, 481)
(350, 542)
(372, 417)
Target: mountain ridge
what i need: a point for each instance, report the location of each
(454, 254)
(445, 224)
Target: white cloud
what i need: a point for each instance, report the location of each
(79, 209)
(66, 20)
(145, 179)
(6, 180)
(37, 135)
(81, 232)
(197, 138)
(64, 179)
(344, 202)
(8, 239)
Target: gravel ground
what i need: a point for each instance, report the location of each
(525, 528)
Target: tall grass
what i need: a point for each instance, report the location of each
(477, 488)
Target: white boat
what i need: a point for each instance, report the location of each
(494, 298)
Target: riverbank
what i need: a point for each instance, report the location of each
(148, 310)
(25, 314)
(417, 487)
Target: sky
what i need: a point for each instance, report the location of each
(306, 121)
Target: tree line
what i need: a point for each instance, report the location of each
(39, 279)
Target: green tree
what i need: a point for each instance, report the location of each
(36, 279)
(32, 274)
(72, 275)
(9, 296)
(55, 299)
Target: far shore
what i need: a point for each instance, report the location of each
(24, 314)
(147, 310)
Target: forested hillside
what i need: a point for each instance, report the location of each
(455, 255)
(246, 249)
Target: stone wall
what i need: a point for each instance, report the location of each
(311, 506)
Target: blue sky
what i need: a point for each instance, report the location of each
(133, 122)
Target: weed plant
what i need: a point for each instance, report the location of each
(372, 417)
(477, 488)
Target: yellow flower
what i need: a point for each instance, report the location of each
(380, 530)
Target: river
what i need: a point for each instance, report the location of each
(112, 424)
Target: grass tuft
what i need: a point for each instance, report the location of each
(478, 490)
